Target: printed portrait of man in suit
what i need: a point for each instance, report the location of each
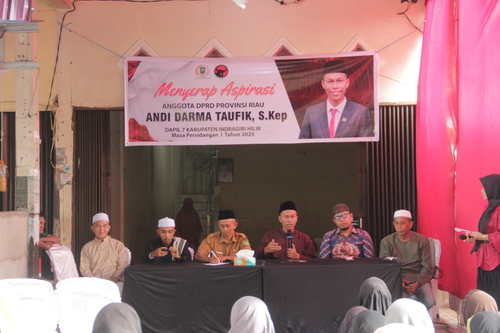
(337, 116)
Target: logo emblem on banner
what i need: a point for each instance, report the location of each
(202, 72)
(221, 71)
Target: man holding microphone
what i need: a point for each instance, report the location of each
(286, 242)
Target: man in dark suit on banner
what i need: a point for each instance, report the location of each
(337, 117)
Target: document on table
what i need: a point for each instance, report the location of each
(218, 264)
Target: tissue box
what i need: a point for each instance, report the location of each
(244, 261)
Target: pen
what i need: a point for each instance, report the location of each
(212, 254)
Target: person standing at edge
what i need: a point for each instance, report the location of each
(487, 239)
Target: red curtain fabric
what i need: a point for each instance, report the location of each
(436, 134)
(458, 127)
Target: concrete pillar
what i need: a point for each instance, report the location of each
(28, 144)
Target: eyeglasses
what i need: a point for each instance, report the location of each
(341, 216)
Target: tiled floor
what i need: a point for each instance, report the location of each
(447, 322)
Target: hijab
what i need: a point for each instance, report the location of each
(250, 315)
(367, 322)
(485, 322)
(187, 222)
(117, 318)
(478, 301)
(412, 312)
(491, 185)
(345, 326)
(374, 295)
(397, 328)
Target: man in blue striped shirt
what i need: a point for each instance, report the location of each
(345, 241)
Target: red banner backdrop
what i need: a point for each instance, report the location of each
(457, 116)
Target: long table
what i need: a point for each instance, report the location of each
(302, 296)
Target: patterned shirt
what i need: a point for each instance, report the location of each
(358, 244)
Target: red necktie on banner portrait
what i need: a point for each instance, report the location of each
(332, 123)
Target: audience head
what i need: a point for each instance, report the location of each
(166, 230)
(288, 216)
(100, 225)
(117, 318)
(374, 295)
(249, 314)
(367, 322)
(346, 324)
(342, 217)
(485, 322)
(411, 312)
(397, 328)
(227, 222)
(477, 301)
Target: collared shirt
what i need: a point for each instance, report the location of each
(415, 256)
(215, 242)
(303, 245)
(106, 259)
(358, 244)
(338, 114)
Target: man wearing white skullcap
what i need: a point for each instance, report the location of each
(103, 257)
(167, 247)
(414, 252)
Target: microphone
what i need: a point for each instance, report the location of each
(289, 238)
(464, 237)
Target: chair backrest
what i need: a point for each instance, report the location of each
(80, 299)
(27, 305)
(192, 253)
(62, 262)
(129, 255)
(436, 256)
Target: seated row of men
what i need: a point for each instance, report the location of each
(103, 255)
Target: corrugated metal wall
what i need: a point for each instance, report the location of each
(389, 177)
(91, 187)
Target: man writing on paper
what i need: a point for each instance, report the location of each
(166, 248)
(286, 242)
(414, 252)
(224, 244)
(337, 117)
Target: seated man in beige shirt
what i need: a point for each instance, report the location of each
(103, 257)
(222, 246)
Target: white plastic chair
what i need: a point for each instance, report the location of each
(27, 305)
(436, 256)
(129, 256)
(62, 262)
(80, 299)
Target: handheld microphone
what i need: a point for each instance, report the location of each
(464, 237)
(289, 238)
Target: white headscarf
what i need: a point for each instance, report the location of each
(250, 315)
(397, 328)
(411, 312)
(117, 318)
